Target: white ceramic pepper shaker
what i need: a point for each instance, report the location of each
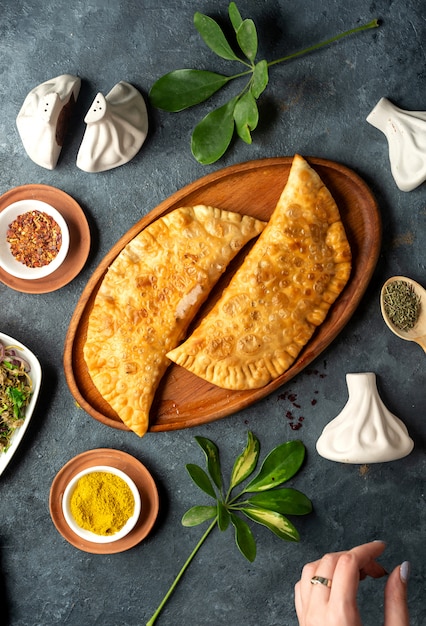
(365, 431)
(116, 128)
(406, 135)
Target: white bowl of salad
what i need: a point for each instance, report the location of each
(20, 379)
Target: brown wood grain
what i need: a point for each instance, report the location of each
(184, 400)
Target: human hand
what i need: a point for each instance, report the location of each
(336, 604)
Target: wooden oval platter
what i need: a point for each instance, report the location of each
(184, 400)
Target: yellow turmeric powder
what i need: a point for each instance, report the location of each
(102, 502)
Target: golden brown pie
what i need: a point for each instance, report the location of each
(148, 297)
(280, 294)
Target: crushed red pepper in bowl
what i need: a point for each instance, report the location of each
(35, 238)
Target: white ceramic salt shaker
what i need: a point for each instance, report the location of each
(43, 119)
(406, 135)
(365, 431)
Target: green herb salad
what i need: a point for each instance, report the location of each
(15, 392)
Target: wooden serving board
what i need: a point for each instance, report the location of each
(253, 188)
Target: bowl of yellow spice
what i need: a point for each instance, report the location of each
(101, 504)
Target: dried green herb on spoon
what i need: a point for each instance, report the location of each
(262, 500)
(184, 88)
(401, 304)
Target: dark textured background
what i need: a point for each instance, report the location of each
(316, 106)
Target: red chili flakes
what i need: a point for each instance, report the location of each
(295, 422)
(34, 238)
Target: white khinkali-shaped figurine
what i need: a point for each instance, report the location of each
(365, 431)
(406, 135)
(117, 126)
(44, 118)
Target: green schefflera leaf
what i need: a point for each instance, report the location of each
(260, 79)
(214, 37)
(278, 467)
(244, 538)
(246, 116)
(234, 16)
(181, 89)
(266, 509)
(184, 88)
(201, 479)
(285, 501)
(211, 451)
(198, 514)
(223, 517)
(246, 462)
(277, 523)
(247, 39)
(212, 136)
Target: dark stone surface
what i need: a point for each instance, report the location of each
(316, 106)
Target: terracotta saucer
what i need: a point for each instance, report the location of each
(128, 464)
(79, 237)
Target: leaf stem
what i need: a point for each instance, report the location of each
(181, 573)
(373, 24)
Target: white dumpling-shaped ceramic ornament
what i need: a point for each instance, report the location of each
(43, 119)
(365, 431)
(406, 135)
(117, 126)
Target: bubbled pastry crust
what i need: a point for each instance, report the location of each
(149, 296)
(280, 294)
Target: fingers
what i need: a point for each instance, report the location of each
(396, 609)
(368, 552)
(298, 603)
(345, 578)
(338, 604)
(373, 569)
(335, 605)
(367, 555)
(364, 553)
(303, 591)
(345, 570)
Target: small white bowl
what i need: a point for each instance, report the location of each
(8, 262)
(86, 534)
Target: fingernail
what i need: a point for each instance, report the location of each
(404, 571)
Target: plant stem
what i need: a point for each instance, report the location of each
(373, 24)
(181, 573)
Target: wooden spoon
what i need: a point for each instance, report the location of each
(418, 332)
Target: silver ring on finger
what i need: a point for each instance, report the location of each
(321, 580)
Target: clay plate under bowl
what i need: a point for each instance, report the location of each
(121, 461)
(8, 262)
(79, 237)
(253, 188)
